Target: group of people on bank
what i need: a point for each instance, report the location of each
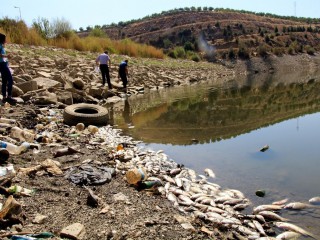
(104, 62)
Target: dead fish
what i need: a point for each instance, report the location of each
(209, 172)
(186, 199)
(267, 208)
(167, 186)
(281, 202)
(195, 189)
(199, 214)
(264, 148)
(192, 174)
(288, 235)
(294, 228)
(215, 209)
(259, 227)
(176, 191)
(233, 202)
(178, 182)
(272, 216)
(65, 151)
(172, 198)
(168, 179)
(197, 195)
(175, 171)
(315, 200)
(240, 206)
(297, 206)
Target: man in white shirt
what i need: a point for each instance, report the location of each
(103, 60)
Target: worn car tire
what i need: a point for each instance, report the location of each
(88, 114)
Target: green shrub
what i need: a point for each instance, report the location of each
(310, 50)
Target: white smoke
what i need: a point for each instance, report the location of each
(205, 47)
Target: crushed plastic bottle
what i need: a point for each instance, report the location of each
(14, 149)
(6, 170)
(22, 134)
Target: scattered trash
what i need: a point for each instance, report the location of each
(136, 175)
(65, 151)
(260, 193)
(4, 155)
(22, 134)
(6, 170)
(10, 207)
(148, 185)
(264, 148)
(90, 175)
(20, 191)
(14, 149)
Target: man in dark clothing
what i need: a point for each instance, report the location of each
(6, 76)
(105, 62)
(123, 72)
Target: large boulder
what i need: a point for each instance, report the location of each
(78, 83)
(47, 83)
(28, 86)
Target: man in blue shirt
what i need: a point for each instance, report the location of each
(123, 72)
(7, 80)
(105, 62)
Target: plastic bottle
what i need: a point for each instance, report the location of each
(22, 134)
(14, 149)
(136, 175)
(148, 184)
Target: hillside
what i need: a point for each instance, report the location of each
(244, 34)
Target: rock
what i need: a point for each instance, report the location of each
(28, 86)
(46, 98)
(120, 197)
(16, 91)
(95, 92)
(39, 219)
(65, 97)
(47, 83)
(78, 84)
(75, 231)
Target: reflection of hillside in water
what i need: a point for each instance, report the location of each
(219, 112)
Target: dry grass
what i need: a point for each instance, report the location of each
(18, 32)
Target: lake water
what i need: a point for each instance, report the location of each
(223, 126)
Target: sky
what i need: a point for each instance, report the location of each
(84, 13)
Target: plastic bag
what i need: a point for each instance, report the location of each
(96, 69)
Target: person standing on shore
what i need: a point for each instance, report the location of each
(7, 80)
(104, 62)
(123, 73)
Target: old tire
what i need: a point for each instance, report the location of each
(88, 114)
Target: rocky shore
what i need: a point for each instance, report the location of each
(76, 176)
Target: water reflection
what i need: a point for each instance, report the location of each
(209, 113)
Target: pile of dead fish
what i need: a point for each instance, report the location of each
(195, 195)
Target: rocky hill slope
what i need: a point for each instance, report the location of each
(247, 33)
